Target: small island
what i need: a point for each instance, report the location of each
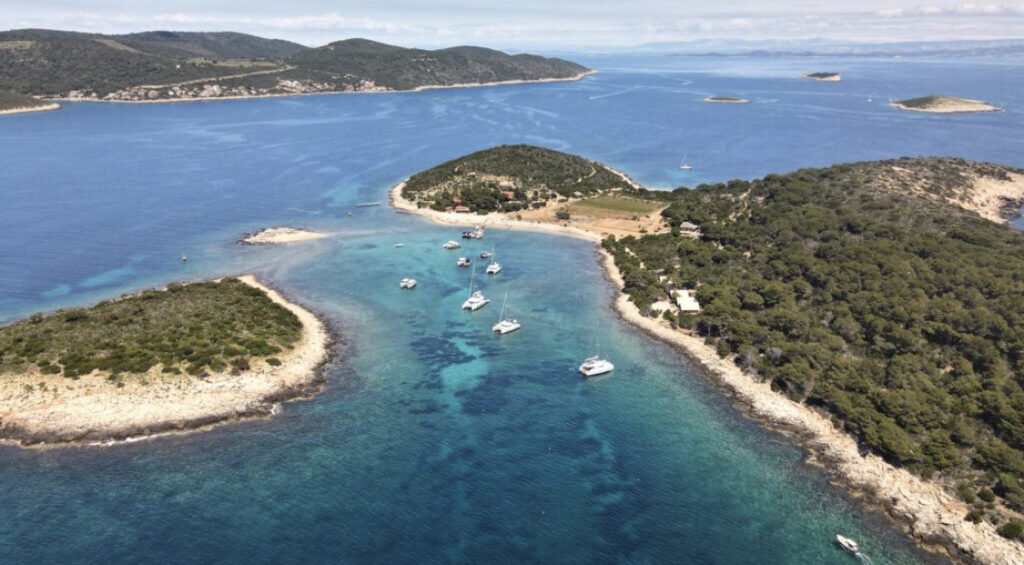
(726, 100)
(532, 188)
(944, 105)
(823, 76)
(14, 103)
(281, 235)
(177, 359)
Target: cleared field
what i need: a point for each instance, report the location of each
(613, 205)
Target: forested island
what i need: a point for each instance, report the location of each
(510, 178)
(944, 105)
(154, 66)
(824, 76)
(877, 292)
(178, 358)
(875, 307)
(726, 100)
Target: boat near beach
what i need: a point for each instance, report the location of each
(485, 254)
(407, 284)
(494, 267)
(452, 244)
(477, 233)
(506, 324)
(594, 366)
(476, 298)
(848, 544)
(463, 261)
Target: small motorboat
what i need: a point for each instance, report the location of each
(594, 366)
(399, 245)
(184, 257)
(463, 262)
(452, 244)
(485, 254)
(407, 284)
(848, 544)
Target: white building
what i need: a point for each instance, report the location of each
(686, 300)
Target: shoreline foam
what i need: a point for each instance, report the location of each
(934, 517)
(92, 411)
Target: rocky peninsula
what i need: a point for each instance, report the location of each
(127, 368)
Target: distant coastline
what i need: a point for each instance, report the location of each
(577, 77)
(935, 516)
(93, 410)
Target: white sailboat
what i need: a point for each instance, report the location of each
(683, 165)
(476, 298)
(494, 267)
(506, 324)
(595, 365)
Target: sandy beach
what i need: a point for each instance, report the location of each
(933, 516)
(38, 410)
(30, 109)
(282, 235)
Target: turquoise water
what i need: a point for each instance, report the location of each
(436, 442)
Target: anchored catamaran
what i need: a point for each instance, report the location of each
(476, 298)
(494, 267)
(506, 324)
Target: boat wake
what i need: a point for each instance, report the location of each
(863, 558)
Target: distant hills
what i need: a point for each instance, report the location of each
(165, 65)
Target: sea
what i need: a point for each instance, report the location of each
(435, 441)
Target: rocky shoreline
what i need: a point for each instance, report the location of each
(100, 413)
(30, 109)
(932, 515)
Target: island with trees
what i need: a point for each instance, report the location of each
(875, 308)
(726, 100)
(944, 105)
(179, 358)
(161, 66)
(823, 76)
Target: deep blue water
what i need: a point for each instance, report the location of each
(436, 442)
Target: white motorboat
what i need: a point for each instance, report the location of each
(407, 283)
(463, 262)
(399, 245)
(485, 254)
(476, 298)
(506, 324)
(848, 544)
(594, 366)
(452, 244)
(494, 267)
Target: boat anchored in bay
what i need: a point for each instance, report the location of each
(476, 298)
(506, 324)
(494, 267)
(407, 283)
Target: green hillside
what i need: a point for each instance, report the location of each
(864, 290)
(161, 64)
(510, 178)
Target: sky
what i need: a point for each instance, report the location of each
(548, 24)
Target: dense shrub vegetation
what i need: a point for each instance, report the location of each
(859, 289)
(45, 62)
(10, 100)
(191, 327)
(535, 174)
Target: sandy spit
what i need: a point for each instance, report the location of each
(282, 234)
(932, 515)
(30, 109)
(92, 411)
